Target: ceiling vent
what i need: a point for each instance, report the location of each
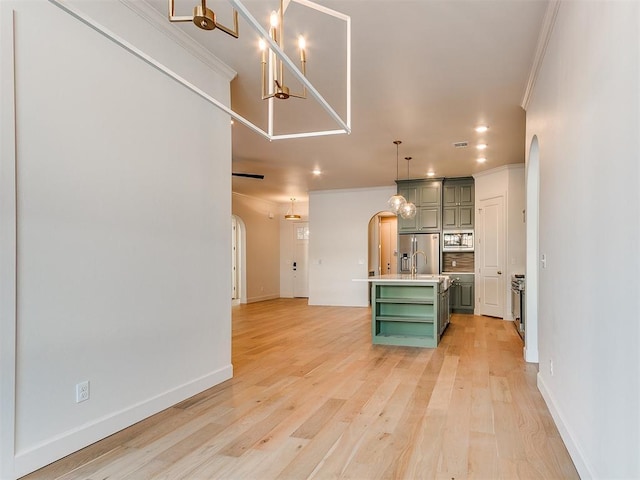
(461, 144)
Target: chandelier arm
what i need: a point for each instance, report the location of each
(177, 18)
(286, 136)
(234, 33)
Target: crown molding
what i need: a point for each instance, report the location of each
(160, 23)
(543, 40)
(501, 168)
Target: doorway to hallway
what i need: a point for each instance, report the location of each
(383, 244)
(238, 261)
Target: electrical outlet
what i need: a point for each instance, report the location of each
(551, 367)
(82, 391)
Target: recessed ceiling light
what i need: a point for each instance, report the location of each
(316, 171)
(481, 146)
(430, 174)
(481, 128)
(481, 160)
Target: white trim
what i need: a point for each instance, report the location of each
(73, 440)
(543, 40)
(511, 166)
(160, 23)
(348, 190)
(8, 243)
(262, 298)
(584, 468)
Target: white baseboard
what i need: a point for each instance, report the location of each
(585, 470)
(73, 440)
(262, 298)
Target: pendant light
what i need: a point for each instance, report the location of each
(408, 210)
(396, 202)
(290, 215)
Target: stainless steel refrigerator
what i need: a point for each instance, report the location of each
(427, 258)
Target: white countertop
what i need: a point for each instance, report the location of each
(407, 278)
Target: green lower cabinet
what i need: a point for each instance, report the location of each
(461, 299)
(408, 314)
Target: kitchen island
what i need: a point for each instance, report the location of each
(409, 310)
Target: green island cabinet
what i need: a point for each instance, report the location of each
(426, 195)
(411, 313)
(457, 203)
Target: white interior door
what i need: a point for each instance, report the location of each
(490, 255)
(300, 259)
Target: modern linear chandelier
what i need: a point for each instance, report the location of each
(275, 63)
(273, 74)
(204, 18)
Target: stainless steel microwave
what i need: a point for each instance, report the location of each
(457, 241)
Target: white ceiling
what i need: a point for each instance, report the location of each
(424, 72)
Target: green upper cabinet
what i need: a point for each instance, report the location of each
(427, 197)
(457, 203)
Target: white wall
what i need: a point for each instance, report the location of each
(338, 243)
(508, 182)
(516, 227)
(585, 113)
(121, 266)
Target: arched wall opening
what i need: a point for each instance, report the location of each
(383, 244)
(238, 261)
(532, 249)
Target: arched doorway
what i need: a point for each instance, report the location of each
(383, 244)
(238, 261)
(532, 255)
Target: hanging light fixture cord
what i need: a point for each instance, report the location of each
(397, 142)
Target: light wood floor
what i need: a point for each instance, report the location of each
(312, 398)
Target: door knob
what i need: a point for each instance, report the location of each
(499, 272)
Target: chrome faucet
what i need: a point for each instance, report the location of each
(414, 263)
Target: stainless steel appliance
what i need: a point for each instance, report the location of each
(457, 241)
(518, 303)
(421, 250)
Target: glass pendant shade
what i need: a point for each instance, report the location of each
(408, 210)
(396, 203)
